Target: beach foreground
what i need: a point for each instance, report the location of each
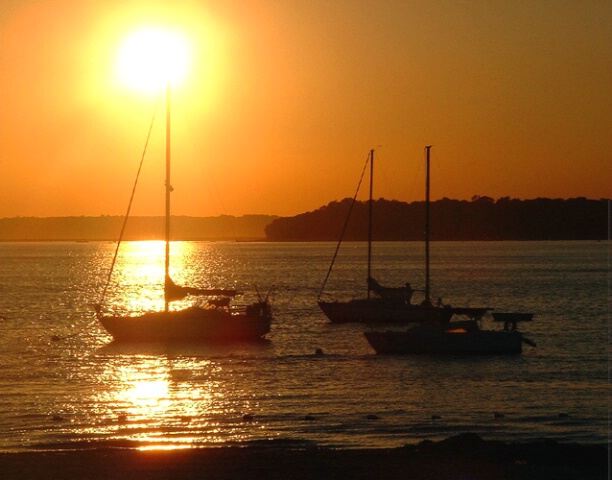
(461, 456)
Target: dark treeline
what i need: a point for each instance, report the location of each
(480, 219)
(483, 218)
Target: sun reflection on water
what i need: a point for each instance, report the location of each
(152, 389)
(159, 402)
(160, 398)
(138, 277)
(146, 395)
(137, 283)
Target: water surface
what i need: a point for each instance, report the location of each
(84, 389)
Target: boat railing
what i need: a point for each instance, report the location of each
(258, 308)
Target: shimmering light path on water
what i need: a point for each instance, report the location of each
(84, 388)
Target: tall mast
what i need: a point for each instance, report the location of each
(168, 186)
(370, 220)
(427, 299)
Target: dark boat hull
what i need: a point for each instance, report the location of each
(379, 310)
(383, 310)
(470, 343)
(193, 324)
(512, 317)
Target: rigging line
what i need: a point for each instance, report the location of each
(127, 213)
(344, 227)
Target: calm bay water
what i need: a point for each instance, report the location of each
(85, 389)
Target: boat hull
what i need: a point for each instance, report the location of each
(470, 343)
(378, 310)
(512, 317)
(193, 324)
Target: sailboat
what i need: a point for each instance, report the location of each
(383, 304)
(454, 337)
(214, 320)
(448, 335)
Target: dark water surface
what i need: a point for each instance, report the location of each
(84, 388)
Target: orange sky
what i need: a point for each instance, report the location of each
(284, 99)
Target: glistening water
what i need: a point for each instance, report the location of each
(64, 382)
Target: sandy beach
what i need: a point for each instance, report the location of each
(462, 456)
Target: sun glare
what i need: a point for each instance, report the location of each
(152, 57)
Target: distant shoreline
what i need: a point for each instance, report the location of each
(108, 228)
(108, 240)
(482, 219)
(264, 240)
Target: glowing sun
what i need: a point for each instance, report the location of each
(150, 58)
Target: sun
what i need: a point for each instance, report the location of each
(150, 58)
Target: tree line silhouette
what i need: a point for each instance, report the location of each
(482, 218)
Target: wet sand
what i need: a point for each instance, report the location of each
(459, 457)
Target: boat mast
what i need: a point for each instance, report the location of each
(168, 189)
(427, 299)
(370, 220)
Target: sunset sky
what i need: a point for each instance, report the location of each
(282, 100)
